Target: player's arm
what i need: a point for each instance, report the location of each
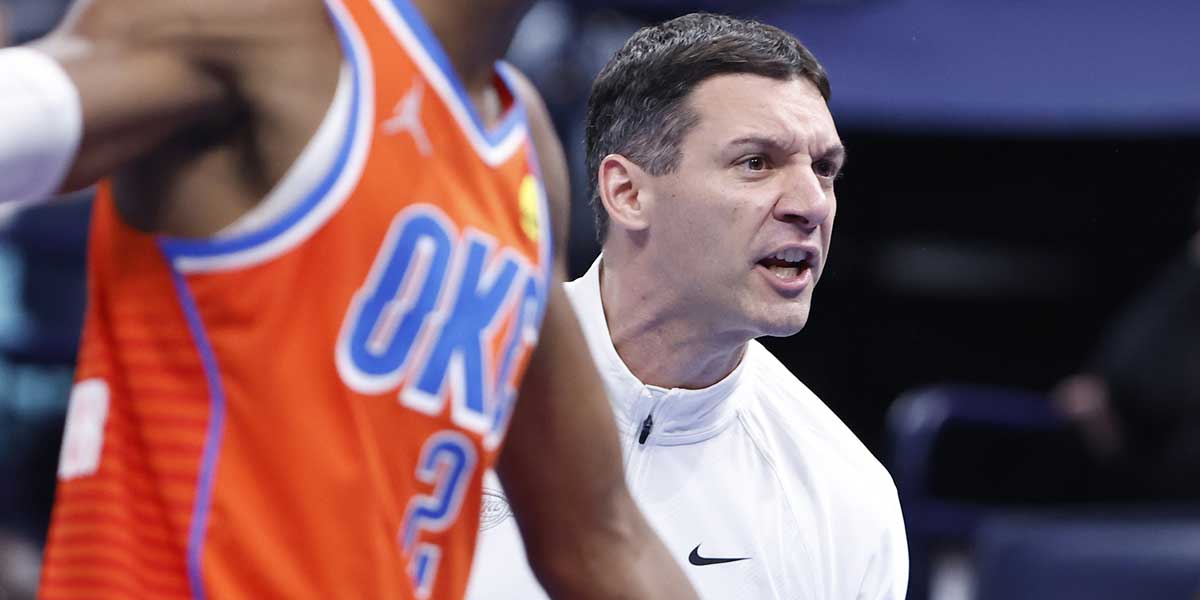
(561, 466)
(110, 84)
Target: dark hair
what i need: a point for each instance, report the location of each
(638, 103)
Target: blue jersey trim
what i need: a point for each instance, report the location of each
(212, 441)
(179, 247)
(416, 22)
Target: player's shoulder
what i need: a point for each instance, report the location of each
(541, 126)
(551, 160)
(793, 419)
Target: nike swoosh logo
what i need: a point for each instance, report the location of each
(701, 561)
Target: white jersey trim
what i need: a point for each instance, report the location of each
(318, 157)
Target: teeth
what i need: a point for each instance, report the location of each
(792, 255)
(785, 272)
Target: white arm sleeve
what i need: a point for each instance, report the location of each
(887, 574)
(41, 123)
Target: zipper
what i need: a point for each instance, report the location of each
(647, 426)
(636, 458)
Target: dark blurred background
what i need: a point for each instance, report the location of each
(1018, 172)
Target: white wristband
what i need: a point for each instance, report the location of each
(41, 123)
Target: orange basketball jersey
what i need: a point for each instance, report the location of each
(304, 408)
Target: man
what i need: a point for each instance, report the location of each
(714, 156)
(1136, 407)
(316, 277)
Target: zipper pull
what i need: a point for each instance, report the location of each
(647, 425)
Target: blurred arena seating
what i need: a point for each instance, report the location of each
(1043, 538)
(1112, 556)
(916, 423)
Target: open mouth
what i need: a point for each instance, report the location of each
(787, 265)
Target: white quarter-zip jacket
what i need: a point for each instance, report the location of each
(753, 484)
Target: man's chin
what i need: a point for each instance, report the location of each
(783, 327)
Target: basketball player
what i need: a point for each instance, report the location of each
(714, 156)
(318, 275)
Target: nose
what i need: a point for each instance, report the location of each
(806, 199)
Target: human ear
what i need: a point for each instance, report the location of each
(621, 184)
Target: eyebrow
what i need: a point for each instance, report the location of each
(836, 152)
(760, 141)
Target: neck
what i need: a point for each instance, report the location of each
(658, 340)
(471, 47)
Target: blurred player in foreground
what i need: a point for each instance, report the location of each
(319, 276)
(714, 157)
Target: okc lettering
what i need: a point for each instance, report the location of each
(428, 315)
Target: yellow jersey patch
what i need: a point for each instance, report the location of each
(528, 203)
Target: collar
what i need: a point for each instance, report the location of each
(679, 416)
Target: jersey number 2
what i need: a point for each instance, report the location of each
(447, 462)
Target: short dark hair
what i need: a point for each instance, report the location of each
(638, 103)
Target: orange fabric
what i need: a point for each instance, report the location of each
(310, 479)
(132, 516)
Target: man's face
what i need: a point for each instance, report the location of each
(742, 227)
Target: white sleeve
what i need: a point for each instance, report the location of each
(887, 572)
(500, 570)
(41, 124)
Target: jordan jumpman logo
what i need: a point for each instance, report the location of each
(407, 117)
